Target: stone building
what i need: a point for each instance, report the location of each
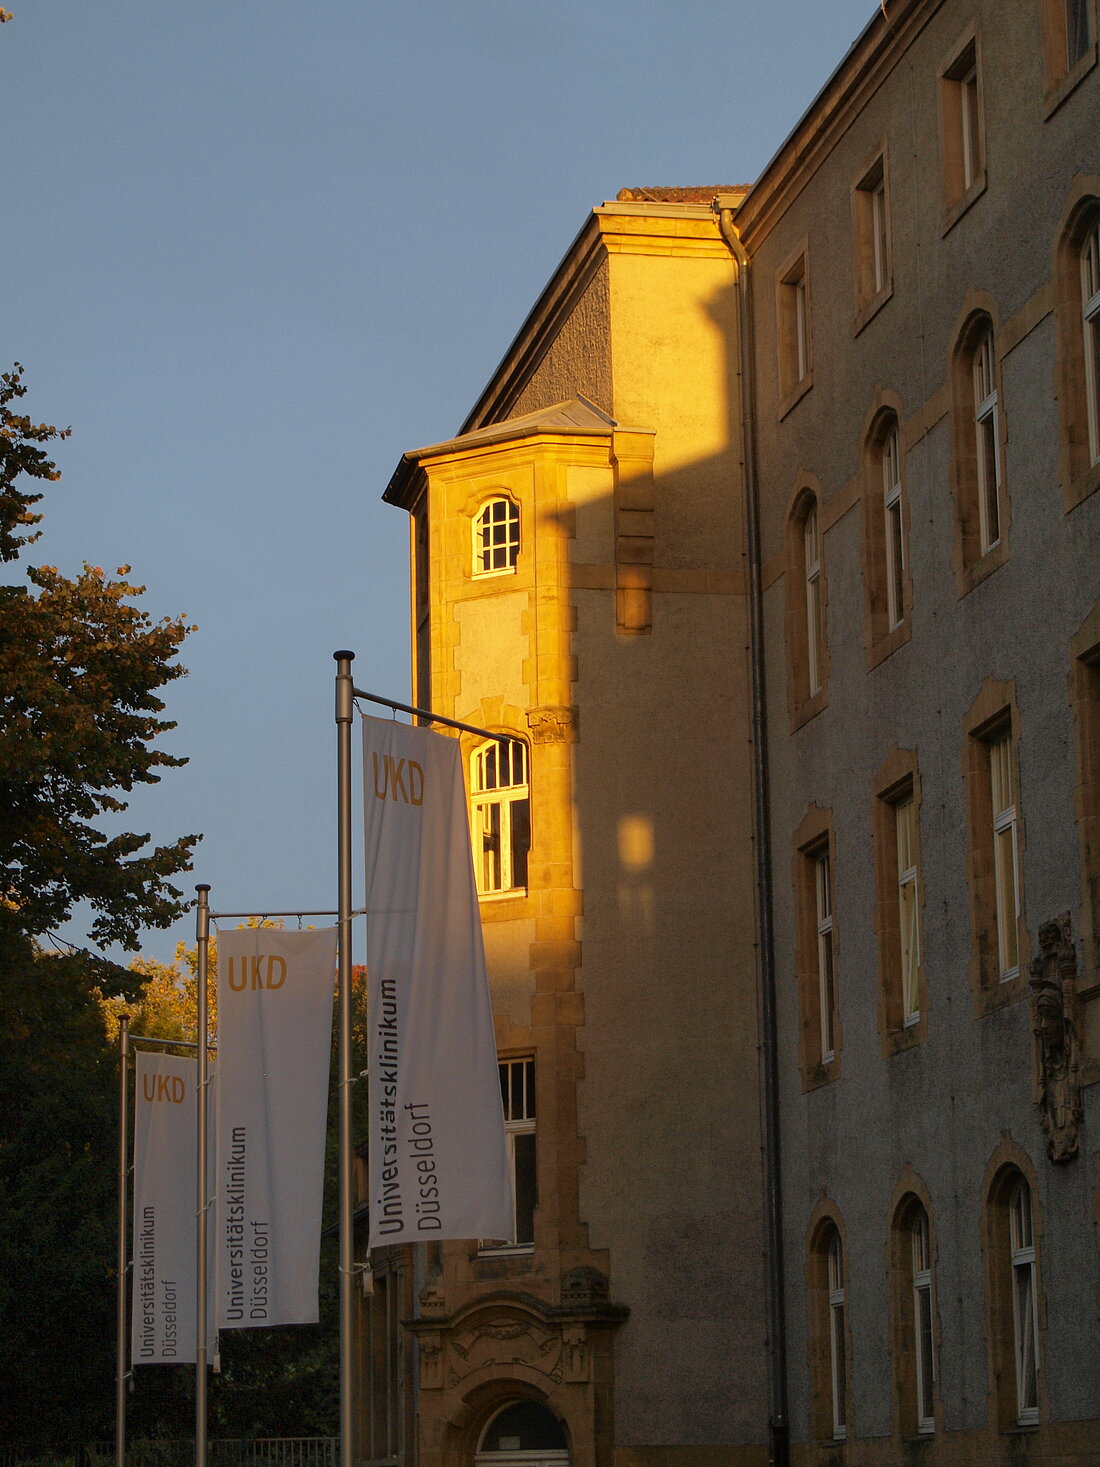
(773, 542)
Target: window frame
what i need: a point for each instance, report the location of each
(887, 581)
(924, 1316)
(817, 949)
(1065, 67)
(502, 803)
(500, 512)
(807, 607)
(872, 238)
(1023, 1262)
(978, 459)
(1014, 1298)
(995, 835)
(962, 128)
(1076, 252)
(829, 1323)
(794, 329)
(903, 998)
(519, 1105)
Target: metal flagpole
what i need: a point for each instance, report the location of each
(344, 706)
(202, 1200)
(123, 1260)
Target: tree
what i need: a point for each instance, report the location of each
(79, 669)
(80, 666)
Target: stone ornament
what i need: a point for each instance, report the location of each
(1053, 982)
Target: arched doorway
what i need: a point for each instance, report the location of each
(523, 1434)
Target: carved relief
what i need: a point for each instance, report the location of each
(506, 1342)
(575, 1354)
(1053, 980)
(552, 724)
(431, 1363)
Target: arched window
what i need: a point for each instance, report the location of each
(501, 815)
(811, 570)
(1090, 323)
(1025, 1320)
(915, 1343)
(981, 501)
(886, 537)
(1013, 1281)
(523, 1434)
(496, 537)
(829, 1325)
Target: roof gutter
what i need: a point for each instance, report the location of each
(778, 1423)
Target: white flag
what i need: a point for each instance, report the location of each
(438, 1165)
(163, 1306)
(275, 993)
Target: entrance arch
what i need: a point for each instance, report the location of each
(523, 1433)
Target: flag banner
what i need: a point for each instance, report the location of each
(162, 1316)
(275, 992)
(438, 1165)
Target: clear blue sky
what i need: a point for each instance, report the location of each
(253, 252)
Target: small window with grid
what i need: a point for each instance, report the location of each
(496, 537)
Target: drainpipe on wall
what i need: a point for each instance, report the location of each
(778, 1426)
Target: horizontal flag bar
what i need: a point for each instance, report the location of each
(432, 717)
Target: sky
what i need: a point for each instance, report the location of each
(254, 252)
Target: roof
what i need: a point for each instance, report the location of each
(577, 415)
(701, 195)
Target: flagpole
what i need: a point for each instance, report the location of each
(202, 934)
(123, 1261)
(344, 707)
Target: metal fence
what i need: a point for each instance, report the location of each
(304, 1451)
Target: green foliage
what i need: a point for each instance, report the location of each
(58, 1140)
(79, 669)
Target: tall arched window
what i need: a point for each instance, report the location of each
(1090, 325)
(1077, 262)
(978, 434)
(811, 570)
(501, 815)
(829, 1325)
(496, 537)
(886, 537)
(1013, 1280)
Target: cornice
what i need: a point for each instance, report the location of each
(882, 44)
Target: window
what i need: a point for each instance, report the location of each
(962, 130)
(871, 227)
(524, 1434)
(1069, 46)
(1085, 695)
(793, 326)
(496, 537)
(1090, 314)
(1077, 267)
(501, 811)
(1012, 1280)
(992, 775)
(1006, 864)
(837, 1354)
(978, 430)
(887, 586)
(807, 652)
(899, 901)
(913, 1315)
(1024, 1315)
(986, 441)
(816, 954)
(826, 1284)
(826, 975)
(517, 1093)
(921, 1256)
(811, 566)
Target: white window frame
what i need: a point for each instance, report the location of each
(498, 788)
(838, 1364)
(970, 124)
(893, 528)
(987, 445)
(496, 537)
(811, 560)
(517, 1093)
(1006, 853)
(826, 955)
(909, 943)
(925, 1359)
(1025, 1321)
(1090, 320)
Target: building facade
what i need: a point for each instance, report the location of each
(773, 544)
